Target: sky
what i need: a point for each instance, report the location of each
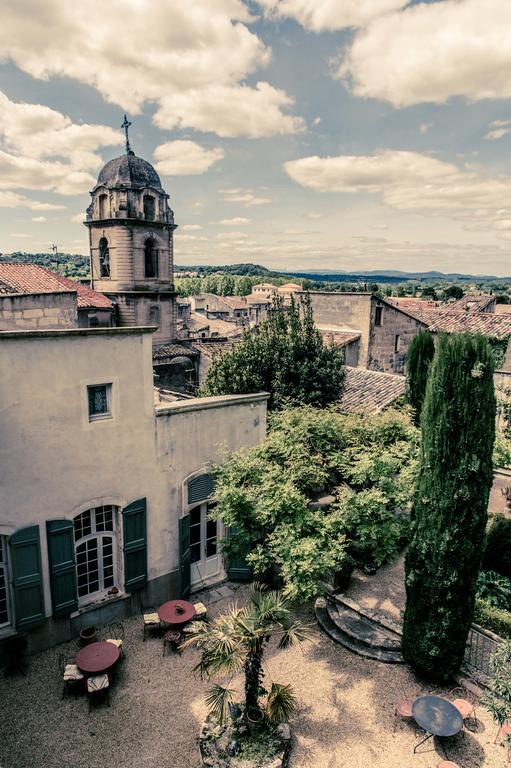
(296, 134)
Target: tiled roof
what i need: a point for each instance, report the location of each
(235, 302)
(31, 278)
(370, 391)
(487, 323)
(339, 338)
(473, 302)
(415, 307)
(161, 351)
(213, 348)
(503, 309)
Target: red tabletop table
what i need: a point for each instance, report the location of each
(176, 612)
(97, 657)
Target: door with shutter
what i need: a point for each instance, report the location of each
(184, 556)
(61, 554)
(27, 577)
(134, 525)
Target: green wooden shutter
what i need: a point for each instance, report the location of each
(237, 567)
(200, 488)
(184, 556)
(61, 554)
(27, 577)
(134, 523)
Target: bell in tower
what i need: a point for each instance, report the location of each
(131, 230)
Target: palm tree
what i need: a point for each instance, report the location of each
(235, 641)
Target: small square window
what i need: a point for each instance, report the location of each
(99, 397)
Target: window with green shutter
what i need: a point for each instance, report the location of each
(200, 488)
(61, 555)
(134, 522)
(237, 567)
(27, 577)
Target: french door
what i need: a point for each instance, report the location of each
(205, 556)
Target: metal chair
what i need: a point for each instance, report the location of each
(71, 675)
(98, 685)
(403, 710)
(150, 618)
(116, 636)
(172, 637)
(466, 708)
(447, 764)
(200, 611)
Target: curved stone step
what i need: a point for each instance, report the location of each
(355, 632)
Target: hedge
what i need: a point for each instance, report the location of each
(495, 619)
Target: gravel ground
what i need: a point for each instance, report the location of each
(345, 717)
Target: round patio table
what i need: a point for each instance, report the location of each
(436, 716)
(97, 657)
(175, 613)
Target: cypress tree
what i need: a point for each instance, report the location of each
(450, 505)
(418, 359)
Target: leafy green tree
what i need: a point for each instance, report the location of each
(366, 463)
(235, 641)
(450, 507)
(453, 292)
(285, 356)
(418, 359)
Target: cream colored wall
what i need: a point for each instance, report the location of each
(54, 463)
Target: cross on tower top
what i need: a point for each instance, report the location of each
(126, 125)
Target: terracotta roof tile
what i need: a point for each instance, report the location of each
(487, 323)
(339, 338)
(161, 351)
(473, 302)
(370, 391)
(31, 278)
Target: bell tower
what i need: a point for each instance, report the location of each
(131, 228)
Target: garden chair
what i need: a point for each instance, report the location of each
(172, 637)
(151, 619)
(116, 636)
(98, 685)
(200, 611)
(403, 710)
(447, 764)
(71, 675)
(465, 707)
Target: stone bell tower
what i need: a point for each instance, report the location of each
(131, 229)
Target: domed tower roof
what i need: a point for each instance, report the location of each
(128, 170)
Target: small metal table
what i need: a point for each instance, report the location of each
(436, 716)
(176, 613)
(97, 657)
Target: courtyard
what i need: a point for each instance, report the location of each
(345, 717)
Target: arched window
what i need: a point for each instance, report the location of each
(104, 258)
(148, 207)
(154, 315)
(103, 201)
(95, 539)
(150, 259)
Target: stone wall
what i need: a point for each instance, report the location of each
(347, 311)
(38, 310)
(389, 342)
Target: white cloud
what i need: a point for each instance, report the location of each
(314, 215)
(235, 222)
(407, 181)
(424, 127)
(185, 158)
(79, 218)
(20, 234)
(43, 149)
(321, 15)
(39, 219)
(498, 129)
(15, 200)
(245, 196)
(231, 235)
(432, 51)
(191, 59)
(190, 227)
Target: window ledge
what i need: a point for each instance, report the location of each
(101, 601)
(6, 632)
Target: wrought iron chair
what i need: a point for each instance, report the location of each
(98, 685)
(150, 618)
(200, 611)
(173, 638)
(116, 636)
(466, 707)
(71, 675)
(403, 708)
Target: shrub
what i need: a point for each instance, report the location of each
(497, 552)
(494, 589)
(494, 619)
(450, 507)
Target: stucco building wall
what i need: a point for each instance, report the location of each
(345, 310)
(389, 342)
(55, 463)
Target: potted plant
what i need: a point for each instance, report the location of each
(88, 635)
(235, 642)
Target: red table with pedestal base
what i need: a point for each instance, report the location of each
(176, 613)
(97, 657)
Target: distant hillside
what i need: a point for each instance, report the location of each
(68, 264)
(395, 276)
(250, 270)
